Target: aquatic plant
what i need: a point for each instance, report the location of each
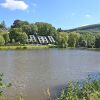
(3, 86)
(88, 89)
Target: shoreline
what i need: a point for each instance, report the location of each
(29, 47)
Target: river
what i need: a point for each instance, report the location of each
(32, 72)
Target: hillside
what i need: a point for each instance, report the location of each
(94, 27)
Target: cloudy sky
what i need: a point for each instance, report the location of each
(61, 13)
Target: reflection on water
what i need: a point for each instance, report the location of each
(34, 71)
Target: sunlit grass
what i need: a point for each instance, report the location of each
(23, 47)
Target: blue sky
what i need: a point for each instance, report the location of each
(60, 13)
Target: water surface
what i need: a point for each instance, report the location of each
(33, 71)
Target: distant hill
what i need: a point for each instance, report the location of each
(94, 27)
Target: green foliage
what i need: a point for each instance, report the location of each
(87, 40)
(19, 24)
(20, 30)
(2, 24)
(13, 33)
(59, 30)
(17, 35)
(30, 29)
(86, 90)
(3, 86)
(68, 94)
(62, 39)
(97, 41)
(73, 39)
(45, 29)
(24, 26)
(6, 38)
(2, 41)
(39, 28)
(13, 41)
(21, 37)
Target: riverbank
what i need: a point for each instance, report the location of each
(22, 47)
(16, 47)
(26, 47)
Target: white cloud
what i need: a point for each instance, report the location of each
(14, 5)
(88, 16)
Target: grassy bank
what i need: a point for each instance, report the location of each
(24, 47)
(16, 47)
(31, 47)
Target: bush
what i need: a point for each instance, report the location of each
(2, 86)
(2, 41)
(85, 90)
(62, 39)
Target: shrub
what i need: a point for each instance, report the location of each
(85, 90)
(2, 41)
(2, 86)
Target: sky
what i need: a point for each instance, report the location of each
(65, 14)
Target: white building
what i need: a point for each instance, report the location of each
(41, 39)
(32, 38)
(51, 39)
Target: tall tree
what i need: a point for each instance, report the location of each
(30, 29)
(2, 41)
(3, 24)
(6, 38)
(22, 37)
(19, 24)
(13, 33)
(45, 29)
(97, 41)
(59, 30)
(62, 39)
(87, 40)
(73, 39)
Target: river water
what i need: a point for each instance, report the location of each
(34, 72)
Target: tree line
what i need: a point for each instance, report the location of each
(88, 39)
(20, 30)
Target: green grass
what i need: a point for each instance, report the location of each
(24, 47)
(16, 47)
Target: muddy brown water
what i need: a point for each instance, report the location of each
(32, 72)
